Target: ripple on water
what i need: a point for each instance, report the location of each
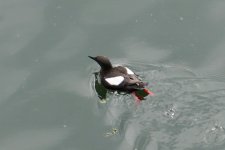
(186, 112)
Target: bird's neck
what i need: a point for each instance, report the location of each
(106, 66)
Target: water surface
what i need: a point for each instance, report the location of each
(47, 97)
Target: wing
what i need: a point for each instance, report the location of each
(115, 80)
(124, 70)
(129, 71)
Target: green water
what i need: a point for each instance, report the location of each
(47, 95)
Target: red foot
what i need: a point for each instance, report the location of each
(149, 92)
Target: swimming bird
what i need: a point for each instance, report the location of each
(120, 78)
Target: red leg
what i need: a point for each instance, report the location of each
(137, 99)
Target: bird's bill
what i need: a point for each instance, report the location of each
(92, 57)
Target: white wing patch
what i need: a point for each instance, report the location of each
(115, 80)
(129, 71)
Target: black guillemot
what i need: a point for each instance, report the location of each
(119, 78)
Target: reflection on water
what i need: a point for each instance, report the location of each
(180, 114)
